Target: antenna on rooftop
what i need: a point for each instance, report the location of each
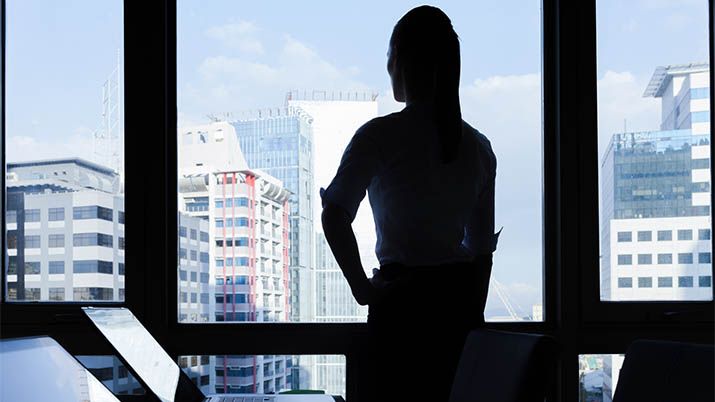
(108, 139)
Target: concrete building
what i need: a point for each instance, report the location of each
(65, 231)
(655, 194)
(245, 213)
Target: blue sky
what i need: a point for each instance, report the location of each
(234, 56)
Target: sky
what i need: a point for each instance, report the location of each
(236, 56)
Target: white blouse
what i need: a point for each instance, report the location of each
(426, 212)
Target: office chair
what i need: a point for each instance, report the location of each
(498, 366)
(667, 371)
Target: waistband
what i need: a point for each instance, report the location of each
(395, 270)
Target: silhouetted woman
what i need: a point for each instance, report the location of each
(430, 179)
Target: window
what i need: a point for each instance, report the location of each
(645, 282)
(625, 282)
(665, 258)
(92, 239)
(665, 282)
(120, 243)
(32, 242)
(32, 268)
(645, 259)
(182, 253)
(91, 293)
(685, 281)
(685, 258)
(704, 234)
(705, 281)
(11, 216)
(32, 294)
(625, 259)
(193, 255)
(56, 240)
(645, 236)
(120, 217)
(625, 237)
(92, 212)
(56, 214)
(121, 268)
(192, 234)
(57, 267)
(203, 237)
(665, 235)
(704, 258)
(685, 234)
(182, 231)
(32, 215)
(57, 294)
(92, 266)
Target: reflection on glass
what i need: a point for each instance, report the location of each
(598, 376)
(112, 373)
(39, 369)
(139, 349)
(654, 148)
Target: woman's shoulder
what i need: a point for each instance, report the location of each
(480, 142)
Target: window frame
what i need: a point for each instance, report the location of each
(573, 312)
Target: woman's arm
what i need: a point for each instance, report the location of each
(337, 226)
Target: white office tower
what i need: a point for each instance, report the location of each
(655, 192)
(246, 215)
(336, 117)
(65, 231)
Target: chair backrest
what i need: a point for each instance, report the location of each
(666, 371)
(498, 366)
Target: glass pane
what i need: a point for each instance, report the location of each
(654, 149)
(64, 210)
(598, 376)
(268, 101)
(266, 374)
(112, 373)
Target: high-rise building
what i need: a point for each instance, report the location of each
(280, 143)
(65, 231)
(655, 193)
(245, 214)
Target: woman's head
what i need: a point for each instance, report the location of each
(424, 66)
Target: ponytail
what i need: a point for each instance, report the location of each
(427, 46)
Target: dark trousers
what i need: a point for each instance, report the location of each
(417, 330)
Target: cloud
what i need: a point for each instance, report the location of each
(25, 148)
(238, 35)
(230, 84)
(621, 103)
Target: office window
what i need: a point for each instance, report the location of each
(625, 282)
(645, 282)
(203, 237)
(32, 242)
(193, 277)
(182, 253)
(665, 235)
(182, 231)
(685, 258)
(119, 381)
(704, 258)
(120, 243)
(625, 259)
(121, 268)
(11, 216)
(56, 214)
(277, 140)
(625, 237)
(92, 212)
(704, 234)
(182, 275)
(645, 236)
(665, 282)
(93, 239)
(57, 294)
(705, 281)
(57, 267)
(32, 268)
(92, 266)
(685, 234)
(685, 281)
(32, 215)
(93, 294)
(665, 258)
(56, 240)
(32, 294)
(193, 255)
(120, 217)
(645, 259)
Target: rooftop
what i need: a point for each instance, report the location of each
(62, 161)
(662, 75)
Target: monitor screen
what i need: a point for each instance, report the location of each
(139, 349)
(39, 369)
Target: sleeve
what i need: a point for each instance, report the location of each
(479, 236)
(357, 169)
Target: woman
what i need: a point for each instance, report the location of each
(430, 179)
